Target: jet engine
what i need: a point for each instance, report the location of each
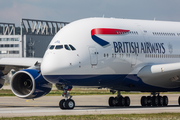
(29, 84)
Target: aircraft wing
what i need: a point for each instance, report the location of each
(161, 75)
(6, 64)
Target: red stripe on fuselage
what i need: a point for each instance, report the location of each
(108, 31)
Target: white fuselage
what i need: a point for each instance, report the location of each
(146, 43)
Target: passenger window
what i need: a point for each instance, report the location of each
(72, 47)
(59, 47)
(51, 47)
(67, 47)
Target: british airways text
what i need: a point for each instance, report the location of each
(138, 47)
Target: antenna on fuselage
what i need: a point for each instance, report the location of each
(103, 15)
(154, 19)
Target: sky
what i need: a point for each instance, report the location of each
(11, 11)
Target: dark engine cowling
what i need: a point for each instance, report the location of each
(29, 84)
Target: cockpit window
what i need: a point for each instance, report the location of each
(59, 47)
(67, 47)
(72, 47)
(51, 47)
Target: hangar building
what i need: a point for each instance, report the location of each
(31, 39)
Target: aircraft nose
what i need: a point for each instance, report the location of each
(47, 66)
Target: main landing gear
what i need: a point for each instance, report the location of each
(155, 100)
(119, 100)
(67, 103)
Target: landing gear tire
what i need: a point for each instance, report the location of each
(160, 101)
(165, 100)
(149, 100)
(62, 104)
(127, 101)
(179, 100)
(69, 104)
(112, 102)
(144, 101)
(66, 104)
(155, 101)
(121, 101)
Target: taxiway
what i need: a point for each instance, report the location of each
(91, 104)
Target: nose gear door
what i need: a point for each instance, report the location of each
(93, 56)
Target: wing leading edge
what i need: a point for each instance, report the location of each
(6, 64)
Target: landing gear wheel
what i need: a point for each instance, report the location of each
(112, 102)
(143, 100)
(155, 101)
(160, 101)
(69, 104)
(165, 100)
(127, 101)
(149, 100)
(121, 101)
(179, 100)
(62, 104)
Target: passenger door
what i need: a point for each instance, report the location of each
(93, 56)
(133, 59)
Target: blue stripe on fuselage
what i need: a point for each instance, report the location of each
(100, 41)
(117, 82)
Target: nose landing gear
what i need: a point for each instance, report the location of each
(67, 103)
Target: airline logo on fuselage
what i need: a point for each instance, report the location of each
(139, 47)
(105, 31)
(126, 47)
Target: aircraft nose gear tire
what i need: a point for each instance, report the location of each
(67, 104)
(154, 101)
(119, 101)
(62, 104)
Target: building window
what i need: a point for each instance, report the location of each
(16, 45)
(6, 45)
(13, 52)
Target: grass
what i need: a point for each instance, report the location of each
(81, 91)
(158, 116)
(4, 92)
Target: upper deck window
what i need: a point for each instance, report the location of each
(59, 47)
(51, 47)
(72, 47)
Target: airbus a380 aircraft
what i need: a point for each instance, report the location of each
(119, 54)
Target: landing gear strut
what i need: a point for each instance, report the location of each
(67, 103)
(154, 100)
(119, 100)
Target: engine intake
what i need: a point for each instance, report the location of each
(29, 84)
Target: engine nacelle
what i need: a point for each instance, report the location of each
(29, 84)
